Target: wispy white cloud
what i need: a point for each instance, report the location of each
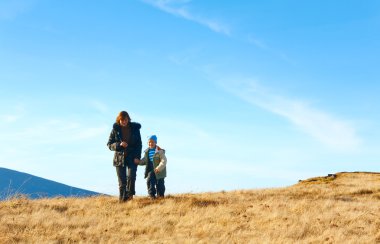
(239, 168)
(9, 118)
(261, 44)
(185, 57)
(258, 43)
(178, 8)
(57, 132)
(10, 9)
(99, 106)
(51, 133)
(13, 113)
(174, 130)
(333, 132)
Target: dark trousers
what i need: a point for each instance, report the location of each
(121, 172)
(126, 176)
(131, 178)
(154, 185)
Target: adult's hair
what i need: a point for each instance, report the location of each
(121, 116)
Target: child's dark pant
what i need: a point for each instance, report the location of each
(155, 186)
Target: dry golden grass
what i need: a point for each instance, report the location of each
(341, 209)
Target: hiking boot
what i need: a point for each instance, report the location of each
(123, 200)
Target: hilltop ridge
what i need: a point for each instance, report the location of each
(344, 209)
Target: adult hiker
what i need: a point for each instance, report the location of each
(125, 140)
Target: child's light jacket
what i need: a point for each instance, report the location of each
(159, 162)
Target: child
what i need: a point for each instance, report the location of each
(155, 169)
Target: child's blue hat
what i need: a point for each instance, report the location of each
(153, 137)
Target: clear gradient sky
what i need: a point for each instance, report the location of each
(242, 94)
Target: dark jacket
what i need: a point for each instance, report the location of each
(134, 144)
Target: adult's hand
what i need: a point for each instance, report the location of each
(124, 144)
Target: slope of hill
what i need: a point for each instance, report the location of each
(15, 183)
(342, 208)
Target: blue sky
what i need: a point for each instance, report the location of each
(241, 94)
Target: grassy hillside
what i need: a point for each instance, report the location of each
(343, 208)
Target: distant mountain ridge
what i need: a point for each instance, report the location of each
(13, 183)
